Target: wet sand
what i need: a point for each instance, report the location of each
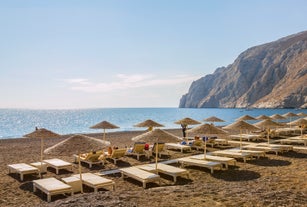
(276, 180)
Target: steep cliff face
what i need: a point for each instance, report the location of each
(273, 75)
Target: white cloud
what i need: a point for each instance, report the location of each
(126, 81)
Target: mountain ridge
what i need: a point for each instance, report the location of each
(270, 75)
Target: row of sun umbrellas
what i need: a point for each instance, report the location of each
(81, 143)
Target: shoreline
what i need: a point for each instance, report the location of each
(276, 180)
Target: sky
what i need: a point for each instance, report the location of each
(68, 54)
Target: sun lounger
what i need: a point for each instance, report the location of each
(218, 142)
(288, 131)
(95, 181)
(58, 164)
(224, 160)
(263, 148)
(137, 150)
(255, 153)
(200, 163)
(91, 158)
(198, 145)
(161, 150)
(22, 169)
(165, 169)
(117, 154)
(236, 155)
(295, 140)
(248, 137)
(283, 147)
(177, 146)
(140, 175)
(51, 186)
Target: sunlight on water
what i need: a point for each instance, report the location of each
(14, 123)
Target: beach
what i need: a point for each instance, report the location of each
(275, 180)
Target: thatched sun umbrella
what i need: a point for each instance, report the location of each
(263, 117)
(149, 123)
(104, 125)
(302, 114)
(213, 119)
(42, 133)
(302, 123)
(277, 117)
(245, 118)
(241, 125)
(290, 115)
(267, 124)
(207, 129)
(184, 124)
(156, 136)
(76, 144)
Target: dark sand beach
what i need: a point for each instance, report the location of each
(276, 180)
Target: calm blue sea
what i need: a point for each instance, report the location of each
(14, 123)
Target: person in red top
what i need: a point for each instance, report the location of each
(146, 146)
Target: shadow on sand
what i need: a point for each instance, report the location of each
(236, 175)
(295, 154)
(270, 162)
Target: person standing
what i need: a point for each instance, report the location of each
(184, 128)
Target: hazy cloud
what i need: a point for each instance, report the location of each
(127, 81)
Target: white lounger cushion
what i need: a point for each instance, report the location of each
(140, 175)
(166, 169)
(201, 163)
(51, 186)
(95, 181)
(58, 164)
(22, 169)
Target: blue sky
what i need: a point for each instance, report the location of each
(127, 53)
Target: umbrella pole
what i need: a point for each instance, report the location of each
(205, 148)
(80, 172)
(157, 145)
(42, 147)
(240, 139)
(104, 134)
(268, 135)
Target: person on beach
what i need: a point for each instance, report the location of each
(184, 128)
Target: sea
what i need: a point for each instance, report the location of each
(15, 123)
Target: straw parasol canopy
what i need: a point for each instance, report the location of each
(302, 114)
(149, 123)
(156, 136)
(76, 144)
(267, 123)
(277, 117)
(245, 118)
(300, 122)
(263, 117)
(185, 122)
(207, 129)
(241, 125)
(104, 125)
(42, 133)
(213, 119)
(290, 115)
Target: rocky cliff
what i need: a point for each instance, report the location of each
(272, 75)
